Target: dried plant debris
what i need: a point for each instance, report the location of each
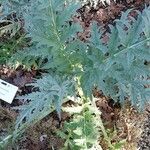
(144, 142)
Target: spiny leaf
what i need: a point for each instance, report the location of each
(50, 94)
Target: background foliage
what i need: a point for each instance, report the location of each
(12, 36)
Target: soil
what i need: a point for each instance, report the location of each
(144, 142)
(105, 15)
(127, 122)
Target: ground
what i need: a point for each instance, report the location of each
(126, 123)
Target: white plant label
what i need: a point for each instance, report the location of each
(7, 91)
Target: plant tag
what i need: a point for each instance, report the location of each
(7, 91)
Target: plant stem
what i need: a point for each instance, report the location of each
(106, 137)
